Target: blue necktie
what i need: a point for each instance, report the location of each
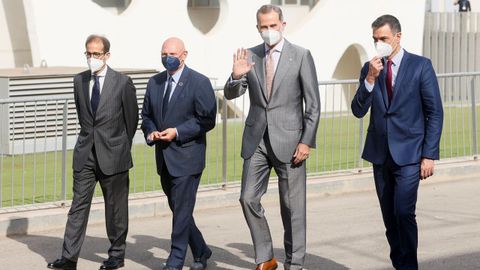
(95, 99)
(166, 97)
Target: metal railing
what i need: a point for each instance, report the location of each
(37, 135)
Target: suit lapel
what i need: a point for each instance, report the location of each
(259, 59)
(86, 89)
(285, 61)
(178, 90)
(161, 90)
(107, 89)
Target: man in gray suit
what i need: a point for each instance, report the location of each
(279, 131)
(107, 110)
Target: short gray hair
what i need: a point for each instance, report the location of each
(269, 8)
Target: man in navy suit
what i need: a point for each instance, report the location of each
(406, 118)
(178, 110)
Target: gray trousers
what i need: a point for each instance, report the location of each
(292, 188)
(115, 194)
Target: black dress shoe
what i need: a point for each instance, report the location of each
(201, 262)
(112, 263)
(63, 264)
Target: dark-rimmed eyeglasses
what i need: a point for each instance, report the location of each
(95, 55)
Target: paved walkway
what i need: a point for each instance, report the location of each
(344, 232)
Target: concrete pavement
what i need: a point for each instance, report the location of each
(345, 231)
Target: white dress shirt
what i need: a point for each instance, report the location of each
(176, 77)
(277, 51)
(101, 77)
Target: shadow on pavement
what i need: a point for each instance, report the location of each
(312, 262)
(470, 261)
(140, 251)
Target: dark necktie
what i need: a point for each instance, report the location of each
(389, 82)
(166, 97)
(95, 99)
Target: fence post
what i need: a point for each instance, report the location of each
(64, 152)
(224, 142)
(360, 146)
(474, 119)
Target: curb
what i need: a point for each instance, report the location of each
(52, 217)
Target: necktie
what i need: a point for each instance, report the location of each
(166, 97)
(95, 99)
(389, 81)
(269, 73)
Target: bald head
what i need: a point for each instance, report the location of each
(175, 47)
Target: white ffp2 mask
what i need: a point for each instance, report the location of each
(271, 37)
(95, 64)
(383, 49)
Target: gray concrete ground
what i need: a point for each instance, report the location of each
(345, 231)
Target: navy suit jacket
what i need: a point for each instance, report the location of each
(410, 128)
(191, 110)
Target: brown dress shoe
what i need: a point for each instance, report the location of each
(268, 265)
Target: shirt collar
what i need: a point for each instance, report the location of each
(397, 59)
(277, 47)
(102, 73)
(176, 76)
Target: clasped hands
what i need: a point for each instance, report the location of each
(167, 135)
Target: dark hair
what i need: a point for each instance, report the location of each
(390, 20)
(104, 40)
(269, 8)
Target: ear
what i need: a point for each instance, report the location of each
(107, 55)
(399, 36)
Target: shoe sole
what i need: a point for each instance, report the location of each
(119, 266)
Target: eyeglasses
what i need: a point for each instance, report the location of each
(95, 55)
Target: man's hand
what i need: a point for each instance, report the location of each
(301, 153)
(168, 135)
(374, 67)
(154, 136)
(240, 64)
(426, 168)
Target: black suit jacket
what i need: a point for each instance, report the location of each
(112, 128)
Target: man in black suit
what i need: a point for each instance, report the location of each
(463, 5)
(178, 110)
(107, 110)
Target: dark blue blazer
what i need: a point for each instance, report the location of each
(192, 110)
(411, 126)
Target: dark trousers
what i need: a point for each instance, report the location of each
(181, 193)
(397, 188)
(115, 194)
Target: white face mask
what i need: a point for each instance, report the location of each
(95, 64)
(271, 37)
(383, 49)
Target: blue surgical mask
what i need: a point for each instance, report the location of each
(171, 63)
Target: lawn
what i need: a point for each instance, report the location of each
(36, 178)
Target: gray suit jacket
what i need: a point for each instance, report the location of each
(112, 128)
(293, 112)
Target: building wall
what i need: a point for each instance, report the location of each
(57, 30)
(448, 6)
(14, 41)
